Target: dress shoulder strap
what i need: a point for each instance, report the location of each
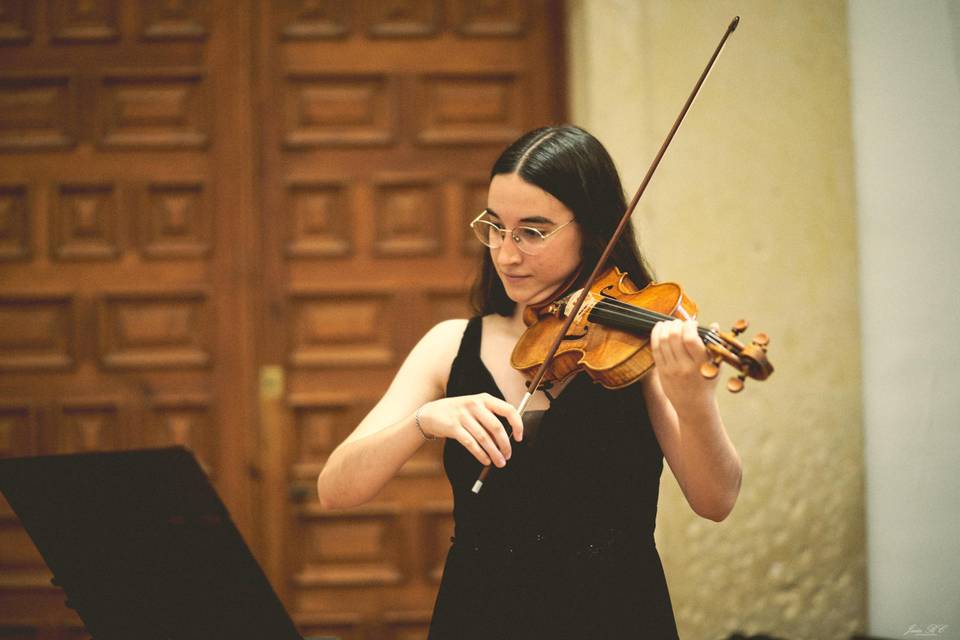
(469, 351)
(470, 343)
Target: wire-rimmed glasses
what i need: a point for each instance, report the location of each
(529, 240)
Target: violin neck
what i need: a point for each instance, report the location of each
(636, 320)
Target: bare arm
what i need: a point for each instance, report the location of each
(683, 411)
(388, 436)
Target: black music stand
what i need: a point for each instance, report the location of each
(143, 547)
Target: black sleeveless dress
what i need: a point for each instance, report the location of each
(559, 543)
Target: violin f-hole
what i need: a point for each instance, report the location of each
(574, 336)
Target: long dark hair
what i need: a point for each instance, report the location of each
(573, 167)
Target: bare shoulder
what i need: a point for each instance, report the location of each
(437, 349)
(445, 335)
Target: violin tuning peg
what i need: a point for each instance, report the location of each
(735, 384)
(761, 340)
(709, 370)
(739, 326)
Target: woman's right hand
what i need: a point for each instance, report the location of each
(473, 422)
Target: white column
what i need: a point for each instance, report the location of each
(905, 64)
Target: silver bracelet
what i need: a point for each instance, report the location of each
(416, 418)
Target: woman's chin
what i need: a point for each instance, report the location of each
(519, 297)
(527, 297)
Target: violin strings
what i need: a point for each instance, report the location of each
(648, 318)
(618, 310)
(705, 334)
(608, 314)
(648, 315)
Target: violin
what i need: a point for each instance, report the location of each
(609, 338)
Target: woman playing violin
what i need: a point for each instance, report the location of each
(559, 544)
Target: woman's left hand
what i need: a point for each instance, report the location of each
(678, 353)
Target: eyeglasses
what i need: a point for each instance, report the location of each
(529, 240)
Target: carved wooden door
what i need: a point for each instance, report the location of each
(126, 317)
(224, 224)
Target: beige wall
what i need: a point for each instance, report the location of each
(753, 212)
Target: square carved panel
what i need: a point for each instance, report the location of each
(180, 418)
(349, 330)
(174, 221)
(491, 18)
(357, 548)
(314, 19)
(16, 21)
(84, 222)
(18, 430)
(469, 109)
(83, 20)
(328, 110)
(150, 331)
(37, 333)
(37, 112)
(174, 19)
(15, 243)
(407, 216)
(162, 109)
(318, 220)
(84, 424)
(339, 625)
(406, 625)
(19, 557)
(402, 18)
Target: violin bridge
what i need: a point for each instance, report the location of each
(571, 300)
(584, 310)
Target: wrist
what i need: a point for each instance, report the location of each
(416, 420)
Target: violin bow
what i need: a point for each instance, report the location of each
(572, 314)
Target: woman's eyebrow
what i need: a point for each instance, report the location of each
(526, 219)
(537, 220)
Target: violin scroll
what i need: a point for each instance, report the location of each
(750, 360)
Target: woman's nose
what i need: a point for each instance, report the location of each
(508, 252)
